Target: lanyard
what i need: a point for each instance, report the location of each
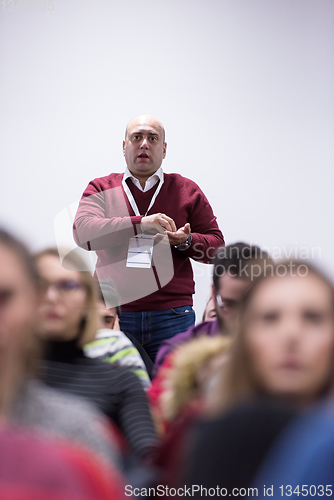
(132, 200)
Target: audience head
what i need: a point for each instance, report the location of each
(284, 346)
(68, 310)
(209, 313)
(108, 309)
(18, 305)
(235, 267)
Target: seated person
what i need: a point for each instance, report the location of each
(40, 468)
(182, 386)
(280, 365)
(51, 445)
(209, 313)
(110, 344)
(301, 460)
(67, 320)
(189, 378)
(233, 271)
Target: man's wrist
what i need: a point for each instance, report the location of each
(185, 245)
(142, 226)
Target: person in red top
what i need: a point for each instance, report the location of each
(145, 226)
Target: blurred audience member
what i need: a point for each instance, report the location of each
(187, 381)
(285, 341)
(67, 321)
(302, 460)
(281, 362)
(110, 344)
(209, 313)
(186, 386)
(234, 269)
(33, 465)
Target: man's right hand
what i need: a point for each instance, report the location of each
(157, 223)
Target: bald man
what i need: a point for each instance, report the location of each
(145, 226)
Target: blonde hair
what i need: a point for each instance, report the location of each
(74, 262)
(238, 382)
(181, 381)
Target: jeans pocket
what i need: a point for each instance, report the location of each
(183, 310)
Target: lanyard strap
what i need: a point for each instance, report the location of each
(132, 201)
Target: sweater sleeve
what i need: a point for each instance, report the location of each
(102, 219)
(207, 236)
(134, 415)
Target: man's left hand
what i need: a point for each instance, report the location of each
(179, 236)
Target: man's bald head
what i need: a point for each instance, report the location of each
(144, 146)
(147, 120)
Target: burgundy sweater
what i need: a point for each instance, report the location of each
(105, 222)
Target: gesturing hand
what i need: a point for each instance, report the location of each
(157, 223)
(179, 236)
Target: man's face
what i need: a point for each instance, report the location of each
(106, 317)
(228, 298)
(144, 147)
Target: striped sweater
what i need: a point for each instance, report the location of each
(115, 390)
(57, 414)
(114, 346)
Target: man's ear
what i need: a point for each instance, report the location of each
(164, 149)
(123, 147)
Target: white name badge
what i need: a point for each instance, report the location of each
(140, 251)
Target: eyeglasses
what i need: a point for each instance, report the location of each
(227, 303)
(63, 287)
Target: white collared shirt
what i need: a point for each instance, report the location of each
(151, 181)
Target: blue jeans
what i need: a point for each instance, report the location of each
(150, 328)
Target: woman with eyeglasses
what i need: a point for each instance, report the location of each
(281, 364)
(67, 321)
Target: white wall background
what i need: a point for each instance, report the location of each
(243, 87)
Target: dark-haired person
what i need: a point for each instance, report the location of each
(145, 225)
(234, 267)
(110, 343)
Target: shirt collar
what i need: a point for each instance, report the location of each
(157, 176)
